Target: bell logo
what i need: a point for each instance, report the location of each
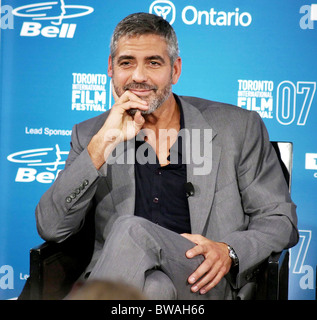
(49, 159)
(55, 12)
(33, 29)
(164, 9)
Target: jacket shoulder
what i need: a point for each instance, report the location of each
(220, 115)
(205, 105)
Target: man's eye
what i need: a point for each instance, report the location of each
(154, 63)
(124, 63)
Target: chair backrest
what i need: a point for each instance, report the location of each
(277, 270)
(272, 275)
(284, 151)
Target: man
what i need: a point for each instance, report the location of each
(172, 223)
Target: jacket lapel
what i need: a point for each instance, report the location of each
(202, 167)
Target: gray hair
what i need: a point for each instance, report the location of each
(141, 23)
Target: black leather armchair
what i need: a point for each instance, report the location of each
(54, 267)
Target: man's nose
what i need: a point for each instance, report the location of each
(139, 74)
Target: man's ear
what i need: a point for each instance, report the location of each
(110, 66)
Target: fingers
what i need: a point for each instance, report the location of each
(197, 239)
(129, 101)
(138, 119)
(138, 122)
(207, 276)
(192, 237)
(211, 284)
(216, 265)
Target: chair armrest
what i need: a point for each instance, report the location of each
(53, 270)
(54, 267)
(273, 278)
(270, 279)
(277, 276)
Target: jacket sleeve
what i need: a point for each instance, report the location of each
(265, 199)
(62, 209)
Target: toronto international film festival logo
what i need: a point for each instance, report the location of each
(293, 100)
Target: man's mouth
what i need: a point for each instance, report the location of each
(140, 89)
(141, 93)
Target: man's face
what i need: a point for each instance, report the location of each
(142, 66)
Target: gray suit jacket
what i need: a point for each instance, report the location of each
(243, 201)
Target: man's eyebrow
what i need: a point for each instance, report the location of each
(125, 57)
(156, 57)
(128, 57)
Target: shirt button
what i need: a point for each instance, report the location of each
(155, 200)
(158, 171)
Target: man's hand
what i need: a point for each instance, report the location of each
(119, 126)
(216, 265)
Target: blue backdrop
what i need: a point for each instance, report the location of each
(257, 54)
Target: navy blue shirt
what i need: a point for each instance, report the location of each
(160, 190)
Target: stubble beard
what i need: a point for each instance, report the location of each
(154, 102)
